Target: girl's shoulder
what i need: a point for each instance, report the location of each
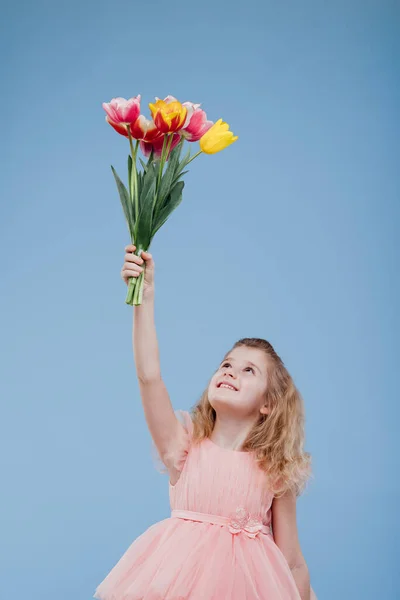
(186, 420)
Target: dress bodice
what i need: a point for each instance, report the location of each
(217, 481)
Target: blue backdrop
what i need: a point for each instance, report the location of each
(289, 234)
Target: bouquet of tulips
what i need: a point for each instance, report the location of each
(154, 191)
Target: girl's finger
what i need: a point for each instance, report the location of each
(130, 248)
(129, 269)
(127, 274)
(133, 258)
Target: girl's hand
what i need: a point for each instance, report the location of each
(134, 265)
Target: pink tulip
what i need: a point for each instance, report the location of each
(145, 129)
(157, 146)
(122, 113)
(197, 125)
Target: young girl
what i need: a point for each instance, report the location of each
(236, 466)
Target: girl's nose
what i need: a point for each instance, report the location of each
(230, 373)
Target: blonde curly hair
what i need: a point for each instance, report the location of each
(277, 439)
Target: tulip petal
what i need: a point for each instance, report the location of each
(189, 114)
(196, 121)
(188, 104)
(146, 148)
(157, 146)
(130, 110)
(153, 108)
(119, 127)
(110, 110)
(144, 129)
(170, 99)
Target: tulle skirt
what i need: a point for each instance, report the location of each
(177, 559)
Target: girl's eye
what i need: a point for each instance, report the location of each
(228, 364)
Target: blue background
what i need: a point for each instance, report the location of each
(289, 234)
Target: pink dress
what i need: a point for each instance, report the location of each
(218, 542)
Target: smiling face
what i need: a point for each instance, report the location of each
(245, 372)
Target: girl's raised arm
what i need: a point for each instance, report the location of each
(166, 430)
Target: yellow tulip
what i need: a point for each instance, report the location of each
(169, 115)
(217, 138)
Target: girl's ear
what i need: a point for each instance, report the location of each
(264, 410)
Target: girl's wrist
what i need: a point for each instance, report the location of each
(148, 294)
(147, 298)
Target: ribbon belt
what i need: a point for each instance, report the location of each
(240, 521)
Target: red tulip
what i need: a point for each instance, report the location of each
(145, 129)
(122, 113)
(157, 146)
(198, 124)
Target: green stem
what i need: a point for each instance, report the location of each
(164, 156)
(134, 185)
(136, 180)
(131, 291)
(135, 285)
(138, 292)
(165, 141)
(131, 182)
(133, 190)
(164, 153)
(193, 157)
(139, 282)
(171, 137)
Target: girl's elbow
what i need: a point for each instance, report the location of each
(297, 562)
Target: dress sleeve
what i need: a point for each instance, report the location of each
(182, 446)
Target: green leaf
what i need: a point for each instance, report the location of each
(126, 202)
(173, 184)
(172, 202)
(148, 177)
(177, 177)
(168, 177)
(184, 162)
(143, 226)
(129, 175)
(149, 161)
(140, 184)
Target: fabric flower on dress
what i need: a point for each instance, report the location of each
(241, 521)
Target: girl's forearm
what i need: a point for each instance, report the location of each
(144, 341)
(302, 579)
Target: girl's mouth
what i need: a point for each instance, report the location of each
(228, 386)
